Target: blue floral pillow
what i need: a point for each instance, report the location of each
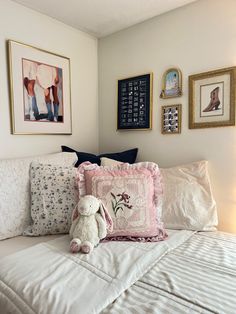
(53, 197)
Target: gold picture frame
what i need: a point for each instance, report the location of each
(171, 83)
(135, 103)
(212, 99)
(40, 90)
(171, 116)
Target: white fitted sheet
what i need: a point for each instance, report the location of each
(10, 246)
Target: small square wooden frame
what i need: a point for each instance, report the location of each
(171, 116)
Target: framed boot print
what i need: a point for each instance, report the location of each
(212, 99)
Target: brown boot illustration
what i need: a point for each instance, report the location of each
(215, 102)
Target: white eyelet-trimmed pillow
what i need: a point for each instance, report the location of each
(15, 190)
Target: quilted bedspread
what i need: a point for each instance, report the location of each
(188, 273)
(48, 279)
(199, 276)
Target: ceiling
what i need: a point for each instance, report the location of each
(102, 17)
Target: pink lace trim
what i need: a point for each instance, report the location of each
(80, 176)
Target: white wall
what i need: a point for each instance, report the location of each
(27, 26)
(196, 38)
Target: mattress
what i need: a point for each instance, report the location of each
(13, 245)
(188, 273)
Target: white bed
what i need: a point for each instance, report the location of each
(188, 273)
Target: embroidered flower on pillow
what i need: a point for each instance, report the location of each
(120, 202)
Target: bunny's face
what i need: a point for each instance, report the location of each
(88, 205)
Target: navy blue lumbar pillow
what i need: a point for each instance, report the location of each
(126, 156)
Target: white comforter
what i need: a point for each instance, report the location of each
(47, 278)
(199, 276)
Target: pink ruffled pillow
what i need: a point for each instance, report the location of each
(131, 193)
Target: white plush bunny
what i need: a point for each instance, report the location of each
(90, 222)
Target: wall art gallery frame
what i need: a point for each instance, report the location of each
(134, 102)
(171, 83)
(40, 90)
(212, 98)
(171, 116)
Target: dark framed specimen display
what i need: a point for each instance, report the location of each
(135, 103)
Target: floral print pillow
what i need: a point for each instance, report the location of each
(53, 197)
(131, 193)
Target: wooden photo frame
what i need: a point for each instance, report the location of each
(171, 116)
(212, 99)
(40, 90)
(134, 108)
(171, 83)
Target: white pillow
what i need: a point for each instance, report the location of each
(15, 190)
(109, 162)
(54, 195)
(188, 202)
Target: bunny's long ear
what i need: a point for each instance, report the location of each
(74, 216)
(75, 213)
(106, 216)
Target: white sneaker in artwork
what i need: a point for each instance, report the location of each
(32, 117)
(55, 119)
